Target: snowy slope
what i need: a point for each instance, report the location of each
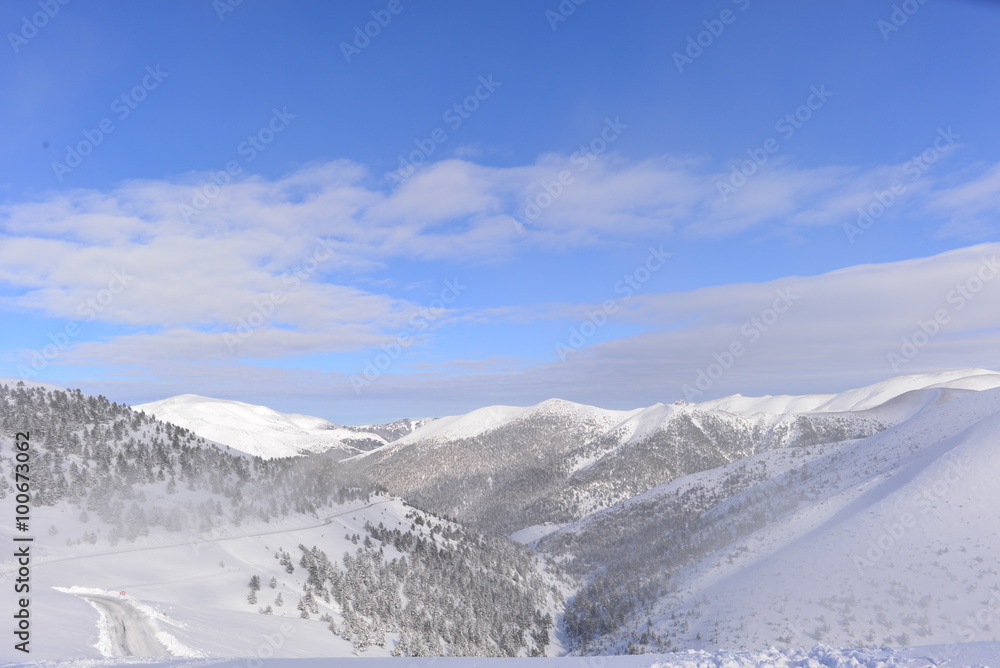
(145, 539)
(192, 589)
(186, 595)
(971, 655)
(889, 540)
(639, 423)
(256, 430)
(860, 399)
(485, 419)
(505, 468)
(902, 547)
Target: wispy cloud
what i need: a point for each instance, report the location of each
(840, 330)
(294, 256)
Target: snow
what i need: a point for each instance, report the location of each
(971, 655)
(647, 420)
(910, 394)
(895, 539)
(255, 430)
(120, 611)
(484, 419)
(177, 590)
(261, 431)
(465, 426)
(531, 535)
(782, 404)
(938, 466)
(12, 382)
(861, 399)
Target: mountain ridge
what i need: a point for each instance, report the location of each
(316, 435)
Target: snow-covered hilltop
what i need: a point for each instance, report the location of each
(259, 430)
(864, 398)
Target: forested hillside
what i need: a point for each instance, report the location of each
(551, 465)
(128, 479)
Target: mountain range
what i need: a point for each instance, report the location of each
(859, 519)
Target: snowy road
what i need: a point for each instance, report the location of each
(11, 566)
(129, 631)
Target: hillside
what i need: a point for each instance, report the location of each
(504, 468)
(887, 540)
(259, 430)
(123, 502)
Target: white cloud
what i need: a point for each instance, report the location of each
(839, 332)
(310, 238)
(970, 205)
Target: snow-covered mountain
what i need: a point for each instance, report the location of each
(259, 430)
(262, 431)
(854, 400)
(391, 431)
(904, 390)
(864, 518)
(507, 468)
(888, 540)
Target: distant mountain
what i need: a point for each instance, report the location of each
(262, 431)
(391, 431)
(505, 468)
(870, 397)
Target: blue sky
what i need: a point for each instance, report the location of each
(495, 202)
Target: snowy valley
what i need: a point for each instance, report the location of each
(692, 534)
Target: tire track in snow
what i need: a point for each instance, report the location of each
(124, 631)
(129, 630)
